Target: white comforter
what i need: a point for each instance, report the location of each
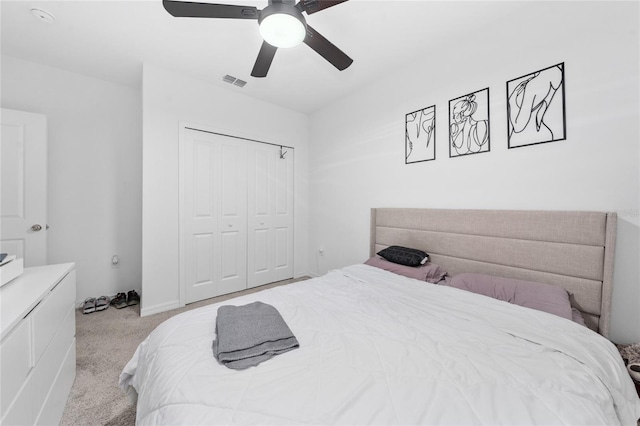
(378, 348)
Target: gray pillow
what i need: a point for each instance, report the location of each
(543, 297)
(576, 316)
(404, 255)
(428, 272)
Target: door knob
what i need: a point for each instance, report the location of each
(36, 228)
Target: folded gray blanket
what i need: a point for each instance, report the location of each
(250, 334)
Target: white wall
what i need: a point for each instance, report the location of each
(94, 177)
(169, 99)
(357, 144)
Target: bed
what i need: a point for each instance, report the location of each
(381, 348)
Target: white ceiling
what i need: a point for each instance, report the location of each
(112, 39)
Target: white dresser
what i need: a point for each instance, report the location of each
(38, 345)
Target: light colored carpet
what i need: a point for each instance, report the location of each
(105, 341)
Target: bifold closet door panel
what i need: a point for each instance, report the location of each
(283, 218)
(260, 205)
(270, 212)
(232, 222)
(214, 219)
(200, 222)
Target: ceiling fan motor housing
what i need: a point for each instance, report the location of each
(291, 2)
(285, 6)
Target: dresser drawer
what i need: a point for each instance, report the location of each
(51, 312)
(21, 411)
(57, 399)
(16, 362)
(46, 370)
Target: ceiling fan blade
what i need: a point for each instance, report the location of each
(313, 6)
(263, 62)
(209, 10)
(326, 49)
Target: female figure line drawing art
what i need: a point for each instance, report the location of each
(531, 118)
(468, 135)
(420, 135)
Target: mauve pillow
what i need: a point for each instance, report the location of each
(543, 297)
(428, 272)
(404, 255)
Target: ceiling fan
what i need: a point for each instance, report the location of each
(281, 25)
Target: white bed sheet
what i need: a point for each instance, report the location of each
(379, 348)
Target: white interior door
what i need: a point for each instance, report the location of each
(214, 215)
(270, 192)
(23, 173)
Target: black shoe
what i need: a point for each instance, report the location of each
(132, 298)
(120, 301)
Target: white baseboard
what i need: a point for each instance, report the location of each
(162, 307)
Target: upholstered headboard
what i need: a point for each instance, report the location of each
(571, 249)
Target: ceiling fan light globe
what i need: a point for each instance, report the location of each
(281, 29)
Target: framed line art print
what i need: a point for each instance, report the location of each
(536, 108)
(420, 135)
(469, 124)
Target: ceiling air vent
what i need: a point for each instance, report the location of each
(232, 80)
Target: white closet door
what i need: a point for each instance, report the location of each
(214, 211)
(270, 240)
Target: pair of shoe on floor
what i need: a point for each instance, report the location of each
(123, 300)
(91, 304)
